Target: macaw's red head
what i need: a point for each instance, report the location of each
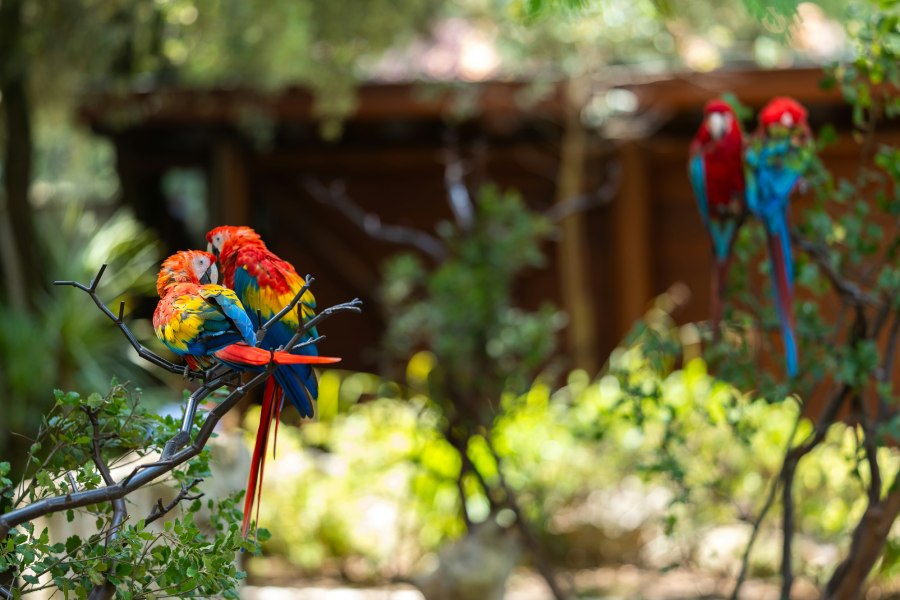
(229, 236)
(783, 116)
(719, 119)
(187, 266)
(719, 122)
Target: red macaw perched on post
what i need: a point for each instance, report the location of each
(776, 158)
(265, 284)
(716, 170)
(200, 320)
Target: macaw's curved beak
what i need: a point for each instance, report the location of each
(210, 276)
(718, 125)
(212, 250)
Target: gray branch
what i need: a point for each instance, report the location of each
(91, 290)
(335, 195)
(602, 196)
(137, 479)
(160, 509)
(845, 288)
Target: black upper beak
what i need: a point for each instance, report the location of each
(211, 275)
(212, 250)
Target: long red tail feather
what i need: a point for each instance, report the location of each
(280, 396)
(258, 459)
(243, 354)
(784, 299)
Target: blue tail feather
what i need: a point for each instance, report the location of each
(293, 381)
(782, 283)
(790, 350)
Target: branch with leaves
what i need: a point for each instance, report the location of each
(89, 437)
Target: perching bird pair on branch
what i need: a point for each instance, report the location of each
(731, 175)
(247, 324)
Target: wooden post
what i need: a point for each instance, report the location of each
(572, 257)
(632, 240)
(229, 197)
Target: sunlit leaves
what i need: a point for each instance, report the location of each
(178, 558)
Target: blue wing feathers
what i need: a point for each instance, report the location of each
(290, 378)
(280, 335)
(698, 181)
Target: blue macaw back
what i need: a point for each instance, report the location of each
(774, 169)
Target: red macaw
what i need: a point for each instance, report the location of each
(200, 321)
(716, 169)
(266, 284)
(776, 158)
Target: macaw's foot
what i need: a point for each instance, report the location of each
(175, 444)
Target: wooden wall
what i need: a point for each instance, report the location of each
(391, 159)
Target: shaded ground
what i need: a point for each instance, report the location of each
(606, 583)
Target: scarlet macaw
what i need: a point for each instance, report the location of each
(716, 170)
(776, 159)
(265, 284)
(200, 321)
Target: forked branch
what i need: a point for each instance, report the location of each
(91, 290)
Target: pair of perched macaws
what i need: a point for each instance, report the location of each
(205, 322)
(731, 175)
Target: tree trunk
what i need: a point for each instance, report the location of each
(866, 548)
(572, 254)
(18, 246)
(21, 266)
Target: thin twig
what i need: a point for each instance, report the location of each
(602, 196)
(352, 306)
(845, 288)
(542, 561)
(767, 505)
(264, 329)
(336, 195)
(160, 509)
(91, 290)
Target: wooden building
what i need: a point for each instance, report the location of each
(258, 153)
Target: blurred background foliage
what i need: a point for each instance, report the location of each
(610, 476)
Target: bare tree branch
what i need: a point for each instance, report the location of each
(264, 328)
(767, 505)
(143, 352)
(846, 289)
(887, 366)
(335, 195)
(352, 306)
(602, 196)
(160, 509)
(542, 561)
(866, 546)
